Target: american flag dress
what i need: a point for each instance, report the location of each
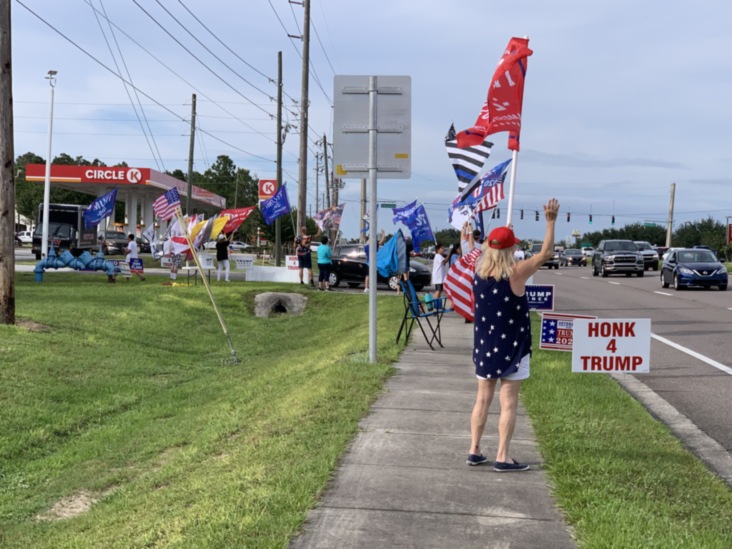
(502, 329)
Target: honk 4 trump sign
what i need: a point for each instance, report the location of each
(614, 345)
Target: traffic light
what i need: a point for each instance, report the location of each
(568, 217)
(537, 215)
(612, 221)
(590, 219)
(522, 214)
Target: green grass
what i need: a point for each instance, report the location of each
(129, 399)
(621, 478)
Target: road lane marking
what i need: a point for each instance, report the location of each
(585, 277)
(616, 283)
(662, 293)
(707, 360)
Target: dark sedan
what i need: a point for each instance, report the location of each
(349, 266)
(573, 256)
(685, 268)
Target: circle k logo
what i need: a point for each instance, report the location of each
(134, 175)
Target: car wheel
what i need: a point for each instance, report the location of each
(664, 284)
(603, 272)
(655, 266)
(722, 287)
(38, 256)
(595, 272)
(334, 280)
(641, 273)
(394, 282)
(677, 286)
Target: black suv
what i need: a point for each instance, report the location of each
(617, 257)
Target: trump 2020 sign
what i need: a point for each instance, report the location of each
(612, 345)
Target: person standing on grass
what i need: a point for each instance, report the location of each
(131, 253)
(324, 262)
(502, 334)
(304, 254)
(222, 256)
(438, 270)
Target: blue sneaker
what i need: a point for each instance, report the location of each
(476, 459)
(506, 467)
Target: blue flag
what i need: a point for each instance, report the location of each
(391, 258)
(489, 181)
(415, 218)
(99, 209)
(276, 206)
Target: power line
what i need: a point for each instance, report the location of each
(179, 117)
(162, 27)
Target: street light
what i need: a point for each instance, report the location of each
(47, 185)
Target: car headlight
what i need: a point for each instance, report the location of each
(722, 270)
(684, 270)
(412, 270)
(654, 256)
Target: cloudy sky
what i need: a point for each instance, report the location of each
(622, 97)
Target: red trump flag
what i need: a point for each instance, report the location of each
(501, 111)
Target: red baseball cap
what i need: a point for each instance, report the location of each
(502, 238)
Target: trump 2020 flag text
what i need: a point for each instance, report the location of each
(99, 209)
(276, 206)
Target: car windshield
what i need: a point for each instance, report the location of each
(697, 256)
(572, 252)
(643, 246)
(620, 246)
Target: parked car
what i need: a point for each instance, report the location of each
(143, 245)
(24, 237)
(650, 255)
(115, 242)
(349, 266)
(689, 267)
(617, 257)
(235, 246)
(573, 256)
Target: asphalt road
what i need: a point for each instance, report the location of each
(699, 320)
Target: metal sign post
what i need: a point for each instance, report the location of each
(372, 137)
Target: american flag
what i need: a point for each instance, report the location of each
(459, 284)
(164, 207)
(467, 162)
(491, 190)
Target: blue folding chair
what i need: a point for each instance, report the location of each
(416, 310)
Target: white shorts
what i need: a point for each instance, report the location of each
(523, 372)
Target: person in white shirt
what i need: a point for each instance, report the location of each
(438, 270)
(131, 253)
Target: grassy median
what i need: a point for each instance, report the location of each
(621, 478)
(123, 425)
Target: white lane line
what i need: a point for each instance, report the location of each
(616, 283)
(662, 293)
(707, 360)
(585, 277)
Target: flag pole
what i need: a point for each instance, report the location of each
(179, 215)
(511, 187)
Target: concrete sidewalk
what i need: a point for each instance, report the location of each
(404, 481)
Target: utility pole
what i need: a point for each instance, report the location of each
(325, 163)
(7, 175)
(189, 190)
(670, 222)
(303, 171)
(278, 221)
(317, 182)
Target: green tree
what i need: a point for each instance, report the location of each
(708, 232)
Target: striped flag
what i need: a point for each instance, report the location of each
(459, 284)
(164, 207)
(467, 162)
(491, 191)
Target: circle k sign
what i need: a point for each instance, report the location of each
(612, 345)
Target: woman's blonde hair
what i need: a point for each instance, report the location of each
(495, 263)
